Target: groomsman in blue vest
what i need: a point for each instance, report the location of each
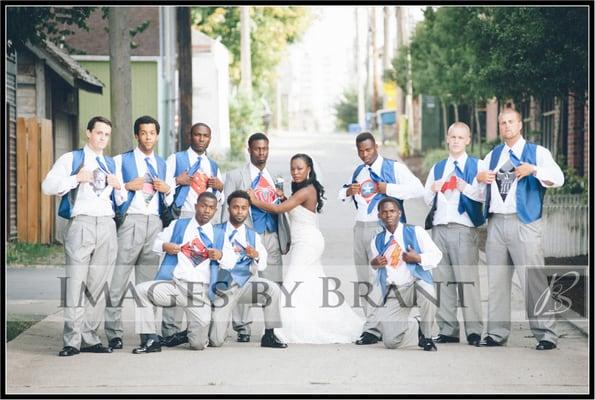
(255, 175)
(192, 173)
(234, 279)
(456, 211)
(86, 180)
(372, 181)
(147, 194)
(517, 174)
(184, 275)
(403, 256)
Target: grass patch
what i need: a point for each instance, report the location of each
(18, 323)
(31, 253)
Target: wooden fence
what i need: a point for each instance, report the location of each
(35, 155)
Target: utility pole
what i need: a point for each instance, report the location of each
(120, 79)
(386, 53)
(374, 60)
(400, 42)
(245, 60)
(361, 104)
(183, 23)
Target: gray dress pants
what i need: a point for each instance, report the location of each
(512, 245)
(90, 245)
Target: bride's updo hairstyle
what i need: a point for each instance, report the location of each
(310, 181)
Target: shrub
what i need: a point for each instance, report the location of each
(244, 119)
(573, 183)
(346, 110)
(432, 157)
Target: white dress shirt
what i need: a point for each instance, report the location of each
(138, 204)
(430, 255)
(205, 167)
(407, 186)
(60, 182)
(447, 208)
(185, 270)
(265, 173)
(547, 170)
(230, 257)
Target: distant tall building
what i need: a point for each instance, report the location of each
(317, 71)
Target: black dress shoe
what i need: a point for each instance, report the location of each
(474, 339)
(427, 344)
(176, 339)
(243, 338)
(116, 343)
(272, 341)
(545, 345)
(446, 339)
(96, 348)
(489, 341)
(152, 346)
(366, 338)
(68, 351)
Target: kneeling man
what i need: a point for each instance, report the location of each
(234, 278)
(403, 256)
(183, 278)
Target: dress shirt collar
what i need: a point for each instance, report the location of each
(517, 148)
(90, 153)
(398, 233)
(461, 160)
(142, 156)
(192, 155)
(377, 164)
(207, 228)
(255, 171)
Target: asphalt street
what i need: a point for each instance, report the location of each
(34, 367)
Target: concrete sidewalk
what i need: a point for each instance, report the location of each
(33, 366)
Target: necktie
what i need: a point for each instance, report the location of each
(513, 158)
(233, 233)
(195, 167)
(204, 238)
(459, 173)
(150, 167)
(374, 175)
(102, 165)
(382, 271)
(256, 180)
(458, 170)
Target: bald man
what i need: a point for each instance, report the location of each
(456, 200)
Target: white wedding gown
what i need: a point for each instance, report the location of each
(307, 321)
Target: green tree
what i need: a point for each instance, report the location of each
(272, 30)
(539, 51)
(346, 109)
(36, 24)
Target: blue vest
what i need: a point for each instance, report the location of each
(409, 239)
(472, 208)
(387, 174)
(129, 172)
(183, 164)
(170, 261)
(221, 279)
(78, 159)
(529, 192)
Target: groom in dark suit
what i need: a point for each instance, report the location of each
(254, 175)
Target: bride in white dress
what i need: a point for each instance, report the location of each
(306, 319)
